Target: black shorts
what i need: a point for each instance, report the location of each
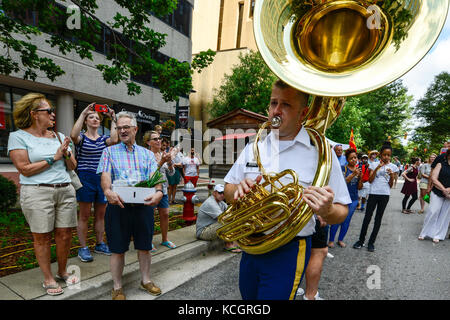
(135, 221)
(319, 239)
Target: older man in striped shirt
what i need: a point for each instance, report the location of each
(127, 160)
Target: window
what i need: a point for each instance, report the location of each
(239, 30)
(219, 36)
(252, 8)
(6, 121)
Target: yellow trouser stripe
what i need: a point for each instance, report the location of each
(300, 267)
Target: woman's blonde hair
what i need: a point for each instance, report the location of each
(22, 108)
(147, 136)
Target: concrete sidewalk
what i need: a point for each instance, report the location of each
(96, 277)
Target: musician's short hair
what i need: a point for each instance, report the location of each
(304, 97)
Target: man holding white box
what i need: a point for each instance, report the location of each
(130, 163)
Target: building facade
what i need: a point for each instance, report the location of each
(83, 84)
(225, 26)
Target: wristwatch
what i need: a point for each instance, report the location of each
(50, 161)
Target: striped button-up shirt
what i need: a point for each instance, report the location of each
(134, 166)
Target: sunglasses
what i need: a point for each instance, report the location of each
(220, 192)
(156, 139)
(50, 111)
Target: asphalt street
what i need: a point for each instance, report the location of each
(401, 268)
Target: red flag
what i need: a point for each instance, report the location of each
(352, 141)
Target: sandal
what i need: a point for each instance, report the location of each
(69, 279)
(118, 294)
(52, 287)
(233, 249)
(169, 244)
(153, 249)
(436, 240)
(330, 244)
(421, 238)
(405, 211)
(341, 244)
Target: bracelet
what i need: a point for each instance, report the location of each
(160, 190)
(68, 156)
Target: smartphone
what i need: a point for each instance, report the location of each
(101, 108)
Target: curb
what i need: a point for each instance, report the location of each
(97, 286)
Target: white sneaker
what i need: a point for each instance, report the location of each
(329, 255)
(316, 297)
(300, 292)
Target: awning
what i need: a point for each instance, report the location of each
(236, 136)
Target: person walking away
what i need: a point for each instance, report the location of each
(123, 221)
(437, 217)
(47, 197)
(352, 175)
(152, 141)
(410, 186)
(89, 148)
(381, 179)
(425, 171)
(207, 224)
(191, 168)
(278, 273)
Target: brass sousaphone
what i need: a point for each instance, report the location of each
(329, 49)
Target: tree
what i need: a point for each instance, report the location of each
(349, 118)
(387, 111)
(132, 48)
(433, 111)
(248, 86)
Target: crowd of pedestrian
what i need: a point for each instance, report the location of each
(46, 161)
(49, 165)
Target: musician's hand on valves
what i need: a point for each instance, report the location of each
(320, 200)
(245, 186)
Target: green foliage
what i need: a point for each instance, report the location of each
(125, 58)
(248, 86)
(386, 113)
(14, 221)
(156, 178)
(8, 194)
(433, 111)
(349, 118)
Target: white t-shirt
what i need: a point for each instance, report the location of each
(190, 166)
(297, 154)
(380, 185)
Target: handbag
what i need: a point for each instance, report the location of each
(74, 179)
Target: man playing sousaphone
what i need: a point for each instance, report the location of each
(276, 275)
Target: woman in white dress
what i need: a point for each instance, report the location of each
(437, 219)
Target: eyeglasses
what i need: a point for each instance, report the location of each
(220, 192)
(156, 139)
(50, 111)
(126, 128)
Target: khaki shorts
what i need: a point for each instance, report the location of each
(47, 208)
(423, 185)
(209, 232)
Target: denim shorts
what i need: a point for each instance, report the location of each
(164, 203)
(92, 189)
(134, 221)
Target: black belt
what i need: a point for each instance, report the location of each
(56, 185)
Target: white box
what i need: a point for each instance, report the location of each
(133, 194)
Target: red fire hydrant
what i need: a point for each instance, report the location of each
(189, 200)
